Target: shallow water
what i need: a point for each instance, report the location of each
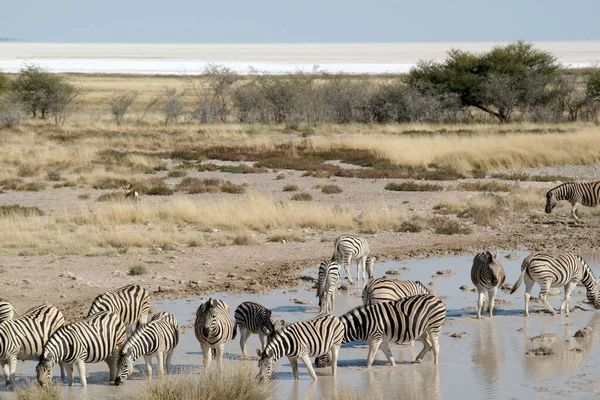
(489, 363)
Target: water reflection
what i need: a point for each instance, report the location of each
(487, 356)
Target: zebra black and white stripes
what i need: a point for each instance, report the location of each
(348, 248)
(213, 327)
(551, 271)
(24, 338)
(302, 340)
(329, 275)
(576, 193)
(251, 318)
(131, 303)
(94, 339)
(158, 338)
(384, 289)
(487, 274)
(7, 310)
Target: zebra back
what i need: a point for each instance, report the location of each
(26, 335)
(399, 321)
(329, 275)
(487, 271)
(350, 246)
(130, 303)
(213, 323)
(254, 317)
(384, 289)
(7, 310)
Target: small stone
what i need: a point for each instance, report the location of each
(298, 301)
(541, 351)
(205, 262)
(545, 337)
(511, 256)
(444, 272)
(458, 335)
(344, 287)
(464, 288)
(583, 333)
(507, 287)
(392, 272)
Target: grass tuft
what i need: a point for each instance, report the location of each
(412, 186)
(447, 226)
(331, 189)
(13, 210)
(137, 270)
(301, 197)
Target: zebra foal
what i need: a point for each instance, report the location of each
(348, 248)
(252, 318)
(487, 274)
(576, 193)
(213, 328)
(158, 338)
(329, 275)
(551, 271)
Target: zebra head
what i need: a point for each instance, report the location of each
(370, 264)
(495, 267)
(125, 366)
(550, 201)
(209, 309)
(44, 370)
(265, 365)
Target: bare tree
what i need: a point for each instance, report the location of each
(119, 104)
(12, 113)
(173, 106)
(147, 108)
(214, 96)
(61, 102)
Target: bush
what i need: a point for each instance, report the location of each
(331, 189)
(119, 104)
(244, 240)
(12, 113)
(448, 226)
(291, 188)
(137, 270)
(35, 392)
(159, 189)
(412, 186)
(301, 197)
(112, 196)
(410, 226)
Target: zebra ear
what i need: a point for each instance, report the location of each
(211, 302)
(489, 256)
(259, 352)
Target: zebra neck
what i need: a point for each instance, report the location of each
(566, 193)
(588, 279)
(279, 346)
(351, 331)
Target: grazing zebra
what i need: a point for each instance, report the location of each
(550, 271)
(416, 317)
(384, 289)
(24, 338)
(94, 339)
(7, 310)
(329, 275)
(487, 274)
(302, 340)
(348, 248)
(576, 193)
(251, 318)
(131, 303)
(158, 338)
(214, 327)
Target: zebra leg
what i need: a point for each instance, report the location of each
(69, 371)
(436, 347)
(6, 371)
(385, 346)
(492, 299)
(160, 364)
(261, 337)
(243, 338)
(544, 287)
(426, 340)
(168, 362)
(207, 354)
(574, 211)
(13, 369)
(373, 347)
(306, 360)
(527, 295)
(219, 356)
(62, 371)
(480, 296)
(81, 369)
(294, 364)
(335, 350)
(565, 304)
(148, 361)
(347, 261)
(112, 361)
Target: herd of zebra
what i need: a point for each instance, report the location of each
(119, 330)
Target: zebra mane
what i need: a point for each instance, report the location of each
(588, 279)
(560, 190)
(277, 344)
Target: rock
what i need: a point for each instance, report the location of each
(459, 335)
(392, 272)
(583, 333)
(205, 262)
(576, 350)
(68, 274)
(507, 287)
(464, 288)
(344, 287)
(307, 278)
(230, 275)
(511, 256)
(298, 301)
(444, 272)
(545, 338)
(118, 273)
(541, 351)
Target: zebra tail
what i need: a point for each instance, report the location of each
(519, 281)
(234, 331)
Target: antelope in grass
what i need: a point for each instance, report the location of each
(130, 193)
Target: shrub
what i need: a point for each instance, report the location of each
(412, 186)
(448, 226)
(109, 183)
(331, 189)
(177, 173)
(18, 210)
(35, 392)
(112, 196)
(194, 185)
(12, 113)
(159, 189)
(137, 270)
(119, 104)
(410, 226)
(301, 197)
(291, 188)
(244, 240)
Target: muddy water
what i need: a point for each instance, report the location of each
(490, 362)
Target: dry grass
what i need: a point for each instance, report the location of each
(412, 186)
(35, 392)
(301, 197)
(195, 185)
(331, 189)
(485, 186)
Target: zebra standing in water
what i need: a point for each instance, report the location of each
(251, 318)
(158, 338)
(348, 248)
(384, 289)
(7, 310)
(214, 327)
(131, 303)
(24, 338)
(302, 340)
(576, 193)
(94, 339)
(550, 271)
(487, 274)
(329, 275)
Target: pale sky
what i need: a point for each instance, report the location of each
(298, 20)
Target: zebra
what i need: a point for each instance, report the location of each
(384, 289)
(551, 271)
(301, 340)
(158, 337)
(416, 317)
(23, 338)
(94, 339)
(487, 274)
(213, 327)
(347, 248)
(251, 318)
(7, 310)
(576, 193)
(131, 303)
(329, 275)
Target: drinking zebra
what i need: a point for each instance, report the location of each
(487, 274)
(7, 310)
(94, 339)
(214, 327)
(551, 271)
(252, 318)
(131, 303)
(412, 318)
(348, 248)
(24, 338)
(329, 275)
(576, 193)
(158, 338)
(384, 289)
(302, 340)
